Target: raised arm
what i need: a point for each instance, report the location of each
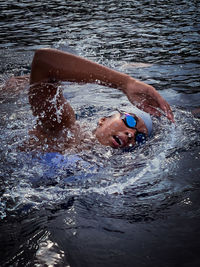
(52, 65)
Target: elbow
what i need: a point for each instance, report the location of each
(38, 68)
(43, 53)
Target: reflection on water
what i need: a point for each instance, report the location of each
(48, 254)
(117, 208)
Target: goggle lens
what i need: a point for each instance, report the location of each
(131, 121)
(140, 138)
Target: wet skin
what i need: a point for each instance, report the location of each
(113, 132)
(55, 116)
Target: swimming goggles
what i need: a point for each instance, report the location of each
(130, 120)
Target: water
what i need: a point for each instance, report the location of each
(122, 209)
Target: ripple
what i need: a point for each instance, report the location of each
(43, 209)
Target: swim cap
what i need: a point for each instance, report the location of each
(145, 117)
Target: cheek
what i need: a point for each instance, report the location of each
(110, 128)
(104, 131)
(115, 126)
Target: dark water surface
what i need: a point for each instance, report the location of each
(114, 208)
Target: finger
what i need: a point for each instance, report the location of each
(167, 110)
(169, 113)
(170, 116)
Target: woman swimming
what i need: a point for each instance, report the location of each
(55, 116)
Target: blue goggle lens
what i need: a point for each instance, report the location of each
(140, 138)
(131, 121)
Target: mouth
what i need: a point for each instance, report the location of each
(117, 141)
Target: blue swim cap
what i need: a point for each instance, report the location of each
(145, 117)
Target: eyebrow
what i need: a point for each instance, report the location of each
(125, 112)
(109, 116)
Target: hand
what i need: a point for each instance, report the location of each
(148, 99)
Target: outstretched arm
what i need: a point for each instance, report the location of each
(52, 65)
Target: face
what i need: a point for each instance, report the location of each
(113, 132)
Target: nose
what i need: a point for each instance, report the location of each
(130, 135)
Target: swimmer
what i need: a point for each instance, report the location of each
(55, 116)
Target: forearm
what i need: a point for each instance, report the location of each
(51, 64)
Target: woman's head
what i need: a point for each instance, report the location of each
(124, 129)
